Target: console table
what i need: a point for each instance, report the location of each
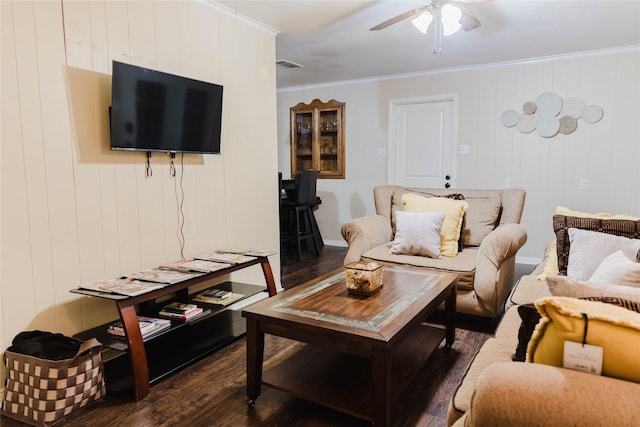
(127, 310)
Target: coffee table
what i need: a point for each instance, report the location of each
(361, 352)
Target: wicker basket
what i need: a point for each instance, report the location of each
(43, 392)
(363, 278)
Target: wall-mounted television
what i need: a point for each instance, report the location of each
(156, 111)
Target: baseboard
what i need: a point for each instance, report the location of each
(528, 260)
(340, 243)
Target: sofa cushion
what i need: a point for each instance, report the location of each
(417, 234)
(618, 268)
(589, 248)
(528, 289)
(615, 329)
(481, 218)
(567, 287)
(464, 264)
(454, 210)
(562, 224)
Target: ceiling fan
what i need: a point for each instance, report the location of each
(448, 17)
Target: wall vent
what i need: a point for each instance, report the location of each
(287, 64)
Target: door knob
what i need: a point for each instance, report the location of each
(447, 185)
(447, 177)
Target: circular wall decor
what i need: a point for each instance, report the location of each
(592, 114)
(568, 124)
(548, 126)
(549, 104)
(510, 118)
(573, 107)
(529, 107)
(527, 123)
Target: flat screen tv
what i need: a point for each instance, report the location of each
(156, 111)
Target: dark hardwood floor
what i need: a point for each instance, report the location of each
(212, 391)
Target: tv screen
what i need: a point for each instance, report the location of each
(156, 111)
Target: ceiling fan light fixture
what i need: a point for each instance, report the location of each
(423, 21)
(450, 19)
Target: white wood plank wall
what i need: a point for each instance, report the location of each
(72, 210)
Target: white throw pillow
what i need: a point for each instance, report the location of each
(617, 268)
(589, 248)
(417, 234)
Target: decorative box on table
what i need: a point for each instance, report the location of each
(363, 278)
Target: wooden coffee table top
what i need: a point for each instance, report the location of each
(325, 303)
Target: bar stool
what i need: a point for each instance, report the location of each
(298, 213)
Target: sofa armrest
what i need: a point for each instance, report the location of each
(495, 265)
(365, 233)
(528, 394)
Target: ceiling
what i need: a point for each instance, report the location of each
(332, 41)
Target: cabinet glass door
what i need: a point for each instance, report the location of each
(329, 142)
(303, 143)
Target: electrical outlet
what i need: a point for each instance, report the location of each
(507, 183)
(584, 183)
(464, 149)
(382, 152)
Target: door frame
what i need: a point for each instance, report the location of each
(391, 142)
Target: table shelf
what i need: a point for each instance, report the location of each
(204, 334)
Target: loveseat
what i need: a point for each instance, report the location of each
(490, 238)
(498, 391)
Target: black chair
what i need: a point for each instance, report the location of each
(298, 214)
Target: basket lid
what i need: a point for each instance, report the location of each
(361, 265)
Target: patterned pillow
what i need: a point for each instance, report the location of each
(562, 224)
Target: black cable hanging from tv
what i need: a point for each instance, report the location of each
(147, 171)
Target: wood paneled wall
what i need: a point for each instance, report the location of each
(72, 210)
(606, 153)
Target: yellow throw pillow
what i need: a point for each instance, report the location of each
(615, 329)
(454, 211)
(561, 210)
(550, 263)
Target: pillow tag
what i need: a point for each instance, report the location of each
(582, 357)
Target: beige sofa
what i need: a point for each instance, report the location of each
(499, 392)
(492, 236)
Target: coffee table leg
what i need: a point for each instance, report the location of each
(450, 318)
(381, 376)
(255, 355)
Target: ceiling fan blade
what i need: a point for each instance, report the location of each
(398, 18)
(469, 21)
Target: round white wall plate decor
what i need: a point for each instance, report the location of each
(592, 114)
(548, 126)
(549, 104)
(568, 124)
(527, 123)
(529, 107)
(510, 118)
(573, 107)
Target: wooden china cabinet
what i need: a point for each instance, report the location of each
(317, 138)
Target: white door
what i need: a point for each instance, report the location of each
(421, 142)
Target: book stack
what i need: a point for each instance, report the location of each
(181, 312)
(218, 297)
(149, 326)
